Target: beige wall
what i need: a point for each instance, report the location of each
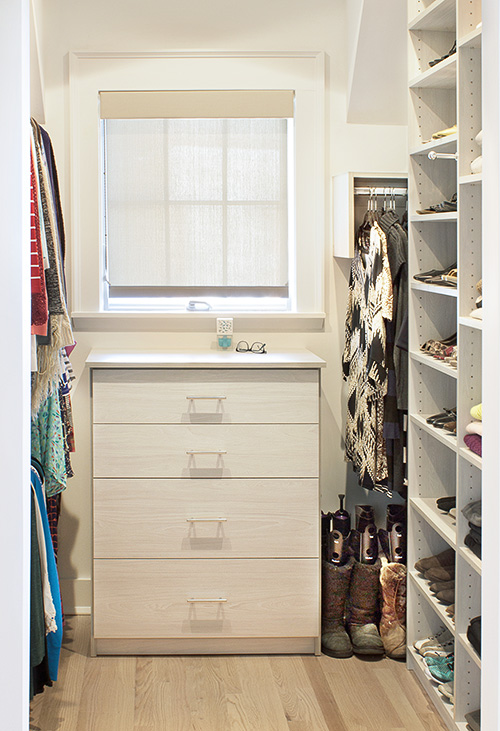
(153, 25)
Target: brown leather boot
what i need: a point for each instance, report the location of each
(363, 600)
(393, 622)
(335, 586)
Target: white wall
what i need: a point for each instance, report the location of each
(15, 534)
(154, 25)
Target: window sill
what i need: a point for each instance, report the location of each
(195, 321)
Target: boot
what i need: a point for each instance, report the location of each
(334, 638)
(393, 621)
(363, 600)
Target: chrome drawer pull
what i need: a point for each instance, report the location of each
(192, 601)
(202, 451)
(206, 520)
(206, 398)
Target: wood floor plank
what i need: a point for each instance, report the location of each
(108, 695)
(257, 706)
(326, 700)
(61, 709)
(298, 698)
(227, 693)
(418, 712)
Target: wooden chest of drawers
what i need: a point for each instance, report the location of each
(206, 504)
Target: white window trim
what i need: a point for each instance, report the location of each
(93, 72)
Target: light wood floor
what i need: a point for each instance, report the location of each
(227, 693)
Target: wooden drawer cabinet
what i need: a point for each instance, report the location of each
(200, 518)
(206, 504)
(205, 597)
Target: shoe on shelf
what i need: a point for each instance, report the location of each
(441, 637)
(445, 132)
(453, 512)
(442, 207)
(441, 668)
(446, 689)
(447, 596)
(451, 611)
(440, 573)
(438, 586)
(474, 720)
(446, 503)
(445, 558)
(425, 276)
(452, 50)
(440, 650)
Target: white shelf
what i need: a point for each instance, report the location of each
(440, 15)
(441, 76)
(445, 144)
(471, 457)
(423, 587)
(473, 39)
(470, 650)
(449, 440)
(437, 365)
(434, 288)
(471, 558)
(443, 706)
(471, 322)
(434, 217)
(475, 179)
(442, 523)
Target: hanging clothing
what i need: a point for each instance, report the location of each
(364, 358)
(397, 252)
(54, 636)
(46, 379)
(396, 399)
(47, 444)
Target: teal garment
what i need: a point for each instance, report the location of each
(47, 444)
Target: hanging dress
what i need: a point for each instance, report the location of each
(364, 358)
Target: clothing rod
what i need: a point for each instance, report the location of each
(381, 191)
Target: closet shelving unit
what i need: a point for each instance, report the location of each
(439, 464)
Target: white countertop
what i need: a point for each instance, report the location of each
(202, 359)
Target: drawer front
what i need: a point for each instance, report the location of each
(205, 518)
(206, 598)
(199, 450)
(205, 396)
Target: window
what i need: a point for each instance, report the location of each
(195, 208)
(100, 95)
(201, 208)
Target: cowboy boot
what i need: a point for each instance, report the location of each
(363, 598)
(393, 621)
(335, 586)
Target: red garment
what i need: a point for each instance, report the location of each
(39, 305)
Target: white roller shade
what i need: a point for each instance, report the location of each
(245, 104)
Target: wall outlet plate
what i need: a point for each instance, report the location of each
(224, 326)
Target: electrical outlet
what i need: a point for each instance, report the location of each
(224, 326)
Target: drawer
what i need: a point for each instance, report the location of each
(205, 518)
(206, 598)
(205, 396)
(206, 450)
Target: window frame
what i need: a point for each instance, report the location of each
(91, 73)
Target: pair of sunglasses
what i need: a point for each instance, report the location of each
(244, 347)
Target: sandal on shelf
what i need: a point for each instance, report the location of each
(443, 207)
(445, 413)
(426, 276)
(452, 50)
(445, 132)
